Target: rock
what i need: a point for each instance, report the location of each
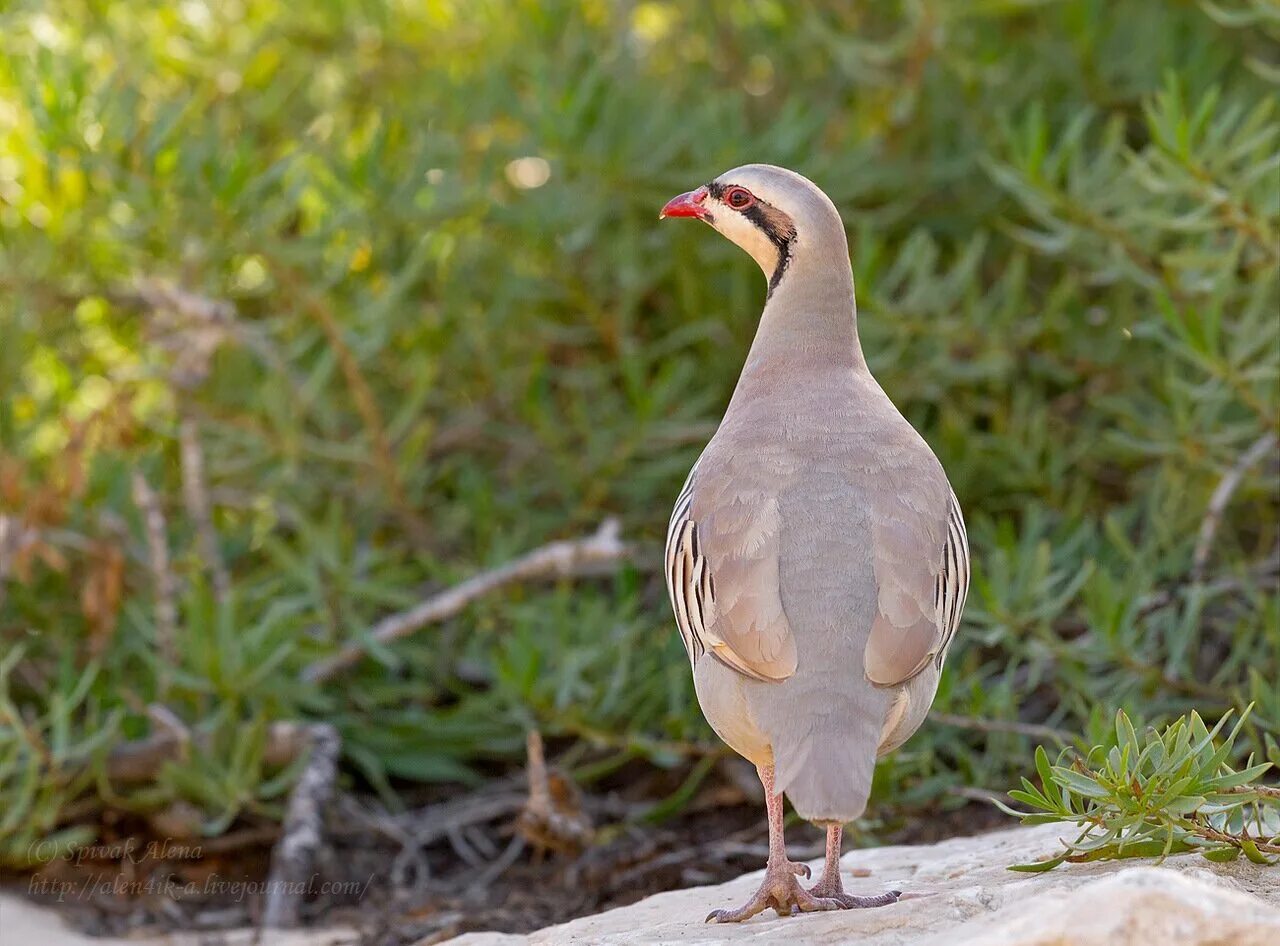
(1134, 905)
(963, 895)
(23, 923)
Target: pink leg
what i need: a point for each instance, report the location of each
(830, 886)
(773, 806)
(779, 889)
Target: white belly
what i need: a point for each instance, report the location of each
(724, 705)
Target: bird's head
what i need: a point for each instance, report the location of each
(776, 215)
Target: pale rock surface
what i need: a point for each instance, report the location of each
(972, 900)
(23, 923)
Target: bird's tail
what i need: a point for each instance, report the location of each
(827, 773)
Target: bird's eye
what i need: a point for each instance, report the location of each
(739, 198)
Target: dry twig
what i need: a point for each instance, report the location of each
(196, 497)
(1221, 497)
(497, 867)
(162, 581)
(1263, 573)
(973, 793)
(142, 759)
(417, 829)
(189, 327)
(15, 535)
(427, 825)
(295, 853)
(553, 817)
(362, 395)
(563, 559)
(1034, 730)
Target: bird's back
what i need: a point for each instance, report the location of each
(837, 457)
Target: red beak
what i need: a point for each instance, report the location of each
(686, 205)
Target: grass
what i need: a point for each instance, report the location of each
(1063, 221)
(1167, 793)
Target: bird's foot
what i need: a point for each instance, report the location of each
(781, 890)
(830, 887)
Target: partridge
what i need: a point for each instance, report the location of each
(817, 559)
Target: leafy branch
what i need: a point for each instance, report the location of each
(1164, 793)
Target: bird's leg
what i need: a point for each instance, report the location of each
(830, 886)
(777, 844)
(779, 889)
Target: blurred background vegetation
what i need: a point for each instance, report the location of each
(311, 309)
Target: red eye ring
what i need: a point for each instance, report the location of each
(739, 198)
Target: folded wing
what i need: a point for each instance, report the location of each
(722, 576)
(920, 597)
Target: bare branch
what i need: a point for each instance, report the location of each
(362, 395)
(565, 559)
(294, 855)
(553, 817)
(1264, 572)
(158, 294)
(424, 826)
(484, 878)
(1034, 730)
(1267, 791)
(196, 497)
(162, 581)
(15, 535)
(974, 793)
(142, 759)
(189, 327)
(1222, 497)
(539, 803)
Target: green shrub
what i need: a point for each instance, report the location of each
(1064, 232)
(1166, 793)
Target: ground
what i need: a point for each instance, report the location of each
(437, 869)
(962, 895)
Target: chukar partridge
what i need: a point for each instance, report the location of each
(816, 559)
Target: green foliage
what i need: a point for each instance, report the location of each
(42, 763)
(1166, 793)
(1063, 222)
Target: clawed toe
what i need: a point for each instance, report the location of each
(848, 901)
(812, 904)
(779, 890)
(880, 900)
(745, 912)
